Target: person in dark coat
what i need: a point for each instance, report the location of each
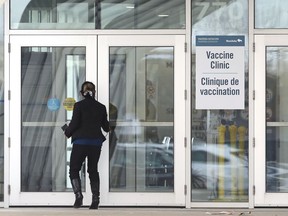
(89, 116)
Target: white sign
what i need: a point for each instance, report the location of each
(220, 77)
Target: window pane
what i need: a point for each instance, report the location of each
(143, 14)
(90, 14)
(276, 119)
(49, 77)
(50, 14)
(219, 147)
(142, 118)
(271, 14)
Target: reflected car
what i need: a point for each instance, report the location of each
(152, 164)
(221, 170)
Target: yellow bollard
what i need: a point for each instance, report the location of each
(221, 168)
(241, 133)
(233, 140)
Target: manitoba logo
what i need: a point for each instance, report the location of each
(234, 41)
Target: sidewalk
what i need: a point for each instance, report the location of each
(141, 212)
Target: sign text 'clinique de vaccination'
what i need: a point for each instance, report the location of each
(220, 75)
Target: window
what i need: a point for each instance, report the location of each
(91, 14)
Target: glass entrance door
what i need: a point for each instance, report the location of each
(46, 73)
(271, 121)
(142, 81)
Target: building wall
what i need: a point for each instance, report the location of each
(213, 133)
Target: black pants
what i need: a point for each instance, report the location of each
(78, 155)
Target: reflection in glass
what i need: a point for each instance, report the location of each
(219, 145)
(271, 14)
(219, 17)
(1, 102)
(156, 14)
(90, 14)
(277, 118)
(142, 119)
(49, 75)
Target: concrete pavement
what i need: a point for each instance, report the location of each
(51, 211)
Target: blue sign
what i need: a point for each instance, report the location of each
(237, 40)
(53, 104)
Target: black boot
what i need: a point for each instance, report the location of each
(76, 185)
(95, 195)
